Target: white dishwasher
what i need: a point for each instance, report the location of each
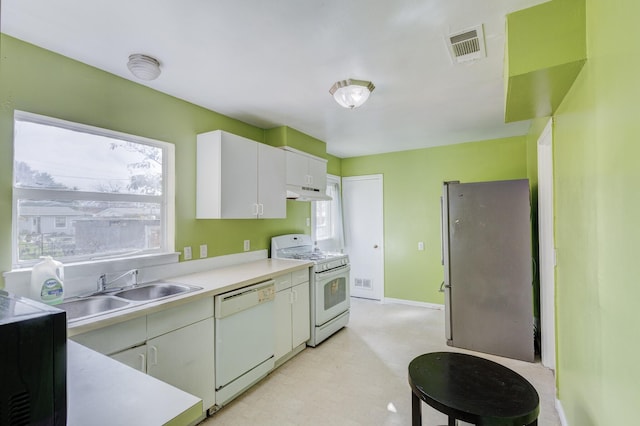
(244, 338)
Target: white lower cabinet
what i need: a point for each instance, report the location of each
(184, 359)
(292, 321)
(300, 319)
(175, 345)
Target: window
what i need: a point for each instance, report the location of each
(60, 222)
(82, 193)
(327, 218)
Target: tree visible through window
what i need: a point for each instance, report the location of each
(80, 192)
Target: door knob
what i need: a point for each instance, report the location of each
(375, 246)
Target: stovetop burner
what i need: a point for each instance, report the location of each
(299, 246)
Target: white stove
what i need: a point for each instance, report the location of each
(329, 283)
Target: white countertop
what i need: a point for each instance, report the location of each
(213, 282)
(102, 391)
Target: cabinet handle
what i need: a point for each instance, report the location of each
(155, 355)
(143, 367)
(260, 209)
(255, 209)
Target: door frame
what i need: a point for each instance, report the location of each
(546, 244)
(378, 291)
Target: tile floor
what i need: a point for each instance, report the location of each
(359, 375)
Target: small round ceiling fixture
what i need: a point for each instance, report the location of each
(144, 67)
(351, 93)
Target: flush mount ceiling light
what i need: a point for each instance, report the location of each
(351, 93)
(144, 67)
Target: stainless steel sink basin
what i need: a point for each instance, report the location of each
(154, 291)
(91, 306)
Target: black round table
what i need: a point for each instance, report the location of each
(471, 389)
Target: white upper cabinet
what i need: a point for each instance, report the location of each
(306, 171)
(238, 178)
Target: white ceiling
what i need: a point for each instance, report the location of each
(271, 63)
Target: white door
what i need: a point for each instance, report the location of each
(182, 359)
(300, 314)
(282, 343)
(272, 190)
(546, 247)
(363, 222)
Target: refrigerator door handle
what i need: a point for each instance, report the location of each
(443, 286)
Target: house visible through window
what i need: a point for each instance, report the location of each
(327, 218)
(82, 193)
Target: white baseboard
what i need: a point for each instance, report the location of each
(560, 410)
(413, 303)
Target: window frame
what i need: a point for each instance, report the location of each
(166, 201)
(335, 242)
(63, 219)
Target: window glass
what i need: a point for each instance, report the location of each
(50, 157)
(84, 193)
(327, 218)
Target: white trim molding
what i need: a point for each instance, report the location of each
(560, 410)
(414, 303)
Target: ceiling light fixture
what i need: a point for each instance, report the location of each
(351, 93)
(144, 67)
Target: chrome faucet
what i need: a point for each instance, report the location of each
(103, 283)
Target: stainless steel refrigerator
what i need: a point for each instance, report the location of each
(486, 253)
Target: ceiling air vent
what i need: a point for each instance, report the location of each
(467, 45)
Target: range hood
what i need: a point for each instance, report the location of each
(302, 193)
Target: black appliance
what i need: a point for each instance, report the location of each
(33, 362)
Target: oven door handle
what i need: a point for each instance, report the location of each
(332, 273)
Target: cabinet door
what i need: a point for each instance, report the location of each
(297, 169)
(227, 176)
(134, 357)
(300, 315)
(272, 192)
(184, 358)
(239, 177)
(317, 174)
(282, 323)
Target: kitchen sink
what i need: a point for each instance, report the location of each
(89, 306)
(105, 302)
(154, 291)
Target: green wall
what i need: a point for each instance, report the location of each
(546, 50)
(597, 206)
(412, 188)
(39, 81)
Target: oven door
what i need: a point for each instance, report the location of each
(332, 294)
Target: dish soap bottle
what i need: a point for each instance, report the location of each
(46, 281)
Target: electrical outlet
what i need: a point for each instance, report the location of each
(247, 245)
(187, 253)
(420, 246)
(203, 251)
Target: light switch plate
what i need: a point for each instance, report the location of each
(420, 246)
(247, 245)
(187, 253)
(203, 251)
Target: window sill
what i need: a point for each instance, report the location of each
(17, 280)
